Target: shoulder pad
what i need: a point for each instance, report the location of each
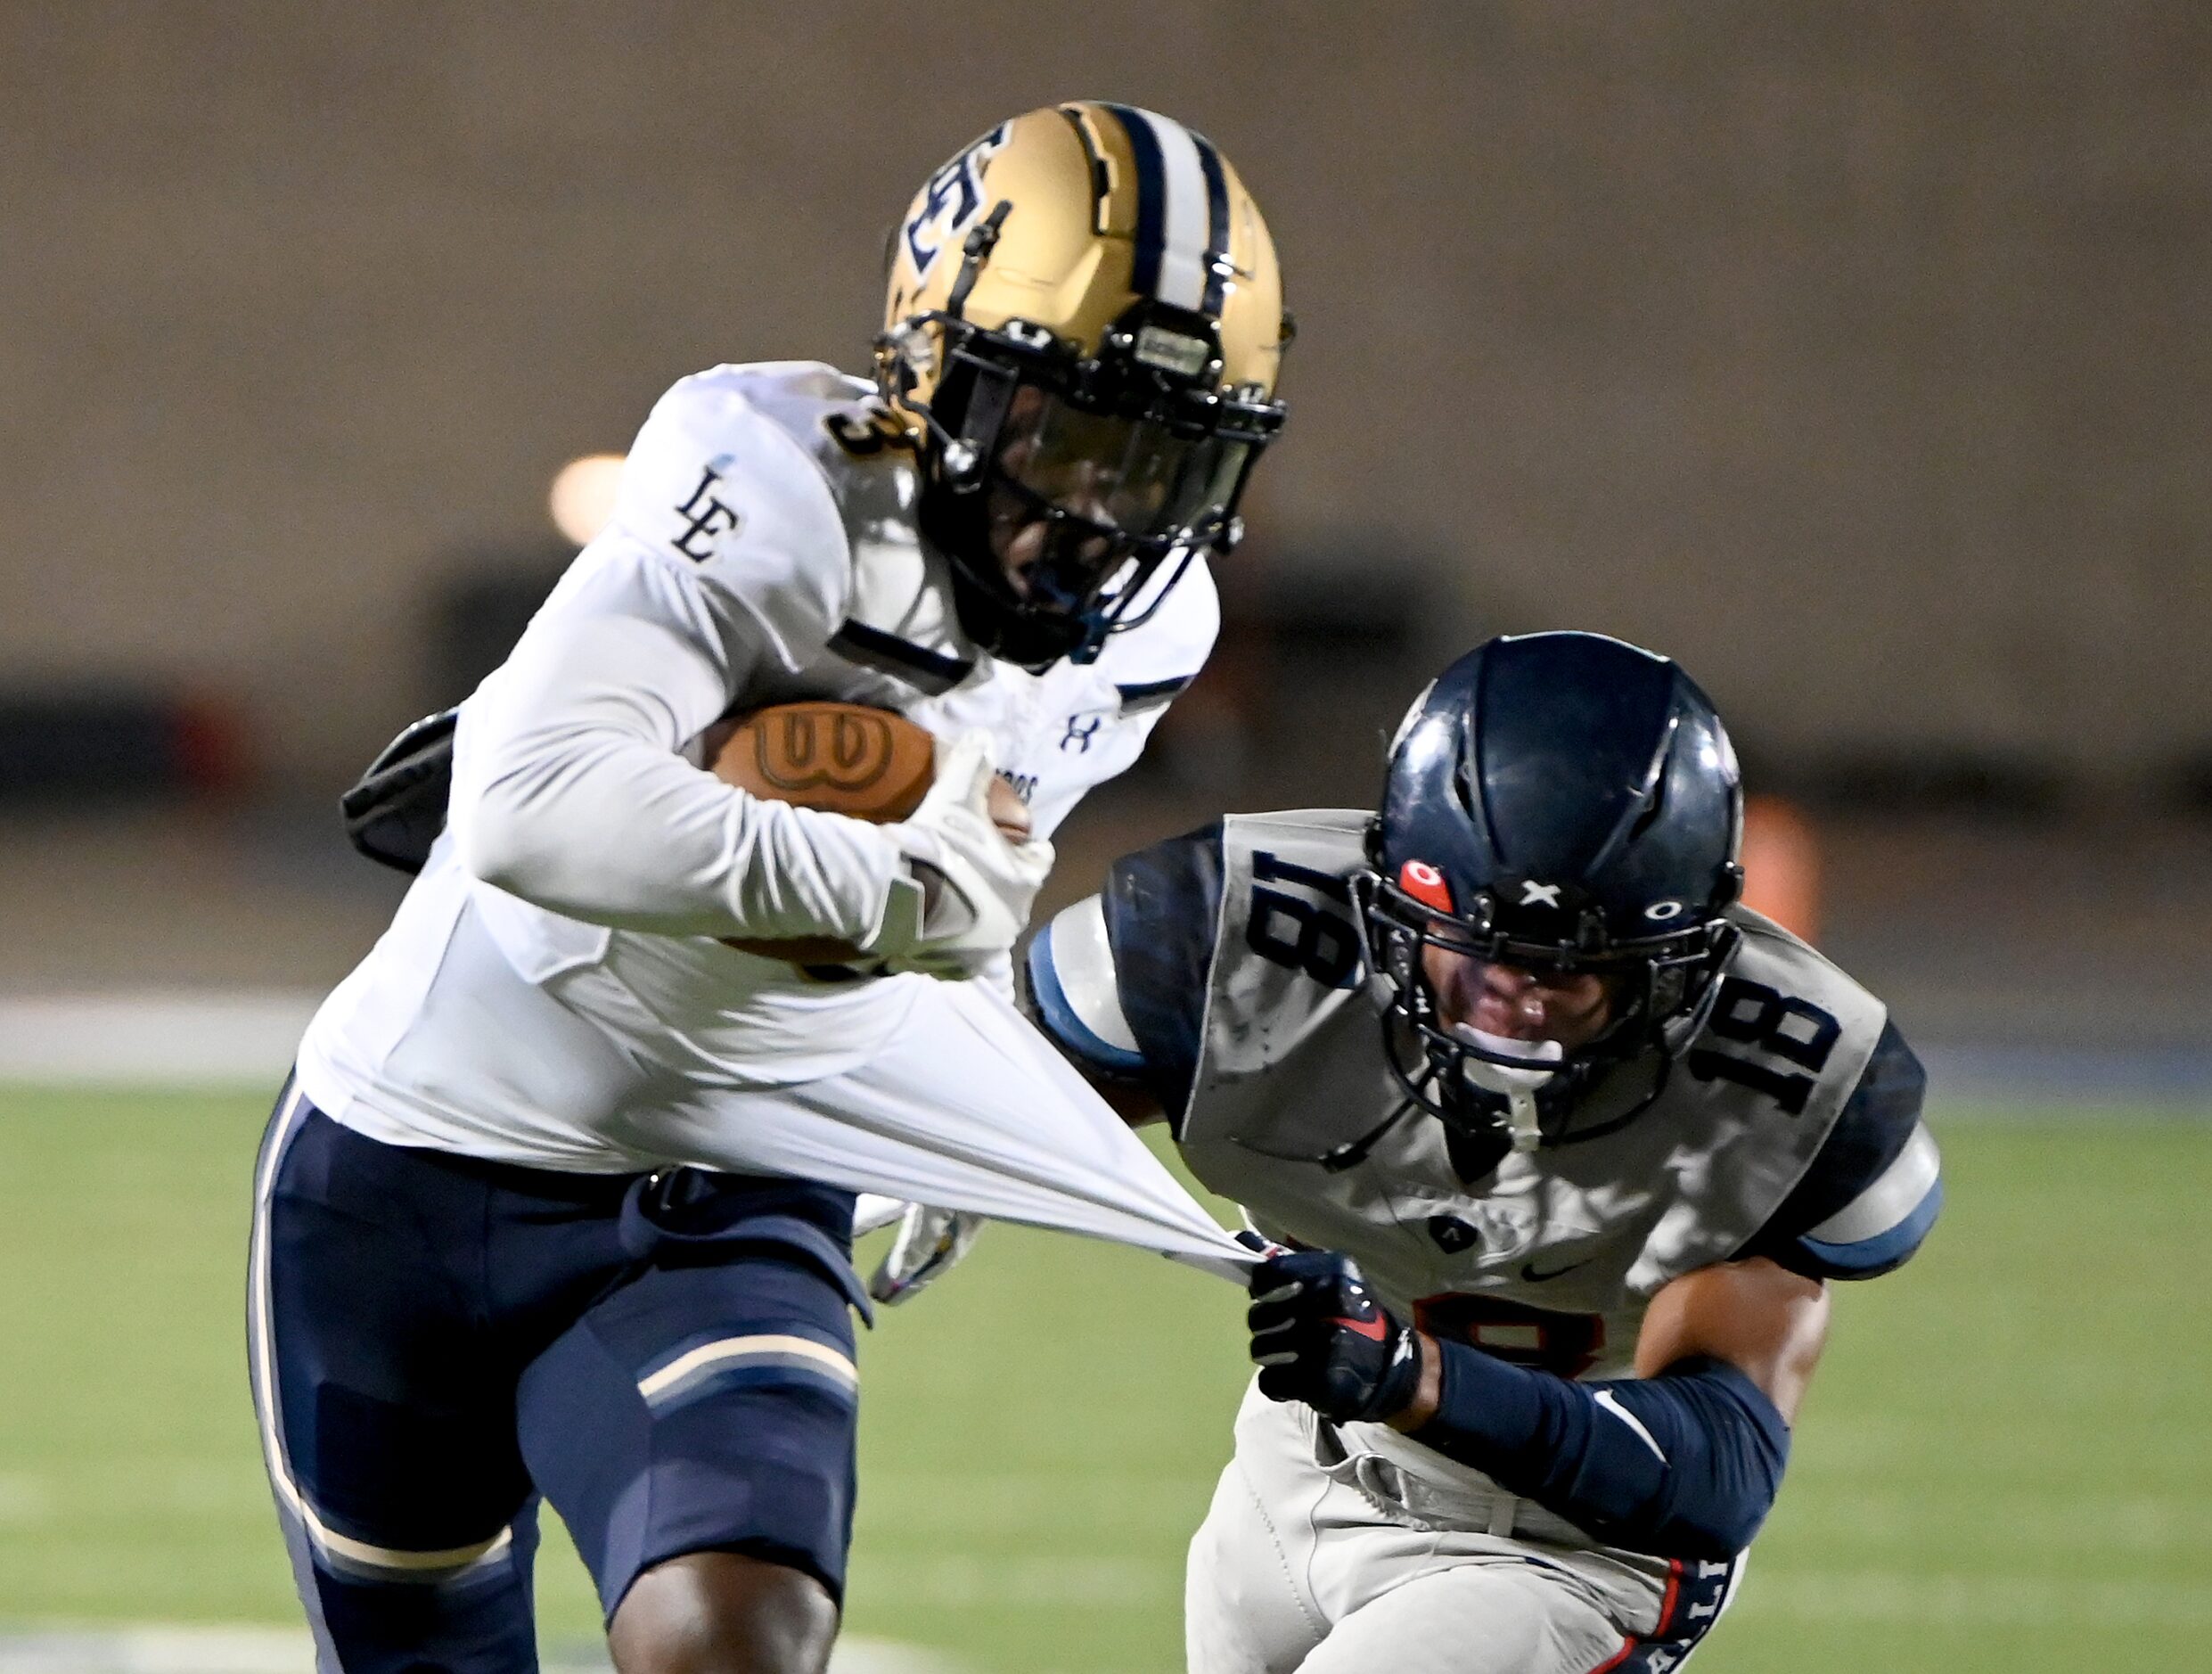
(1874, 1190)
(1162, 911)
(720, 482)
(1074, 995)
(1151, 663)
(1290, 947)
(1290, 901)
(835, 420)
(1752, 1103)
(1286, 982)
(1785, 1023)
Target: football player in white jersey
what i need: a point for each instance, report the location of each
(1556, 1236)
(560, 1201)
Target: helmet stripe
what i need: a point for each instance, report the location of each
(1182, 262)
(1217, 258)
(1171, 210)
(1152, 193)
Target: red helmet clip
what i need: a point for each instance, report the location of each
(1425, 883)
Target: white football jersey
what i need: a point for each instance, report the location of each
(555, 978)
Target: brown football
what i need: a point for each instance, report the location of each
(841, 759)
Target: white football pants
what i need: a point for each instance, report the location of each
(1307, 1567)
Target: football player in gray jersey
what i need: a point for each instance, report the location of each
(1560, 1146)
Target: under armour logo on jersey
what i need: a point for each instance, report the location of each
(1535, 894)
(957, 187)
(1079, 734)
(705, 517)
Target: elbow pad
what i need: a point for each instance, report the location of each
(1683, 1465)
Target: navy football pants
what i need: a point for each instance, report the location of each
(438, 1342)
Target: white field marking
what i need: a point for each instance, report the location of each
(178, 1039)
(186, 1037)
(216, 1650)
(159, 1650)
(853, 1655)
(1863, 1596)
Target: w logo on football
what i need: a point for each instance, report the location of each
(802, 751)
(949, 201)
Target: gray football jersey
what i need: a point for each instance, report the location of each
(1282, 1099)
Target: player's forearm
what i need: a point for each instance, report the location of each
(570, 792)
(607, 831)
(1685, 1464)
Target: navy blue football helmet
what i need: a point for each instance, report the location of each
(1564, 803)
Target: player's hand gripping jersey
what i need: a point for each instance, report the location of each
(557, 956)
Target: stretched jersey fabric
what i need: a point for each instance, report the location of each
(552, 992)
(1232, 986)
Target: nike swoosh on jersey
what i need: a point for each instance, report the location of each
(1604, 1398)
(1373, 1328)
(1529, 1276)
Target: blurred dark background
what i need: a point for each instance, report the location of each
(1856, 354)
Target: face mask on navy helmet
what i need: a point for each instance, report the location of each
(1565, 804)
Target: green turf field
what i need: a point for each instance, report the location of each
(2006, 1463)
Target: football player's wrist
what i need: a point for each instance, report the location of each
(1485, 1407)
(1423, 1390)
(802, 872)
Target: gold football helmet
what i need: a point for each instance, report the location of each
(1084, 328)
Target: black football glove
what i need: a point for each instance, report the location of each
(1320, 1337)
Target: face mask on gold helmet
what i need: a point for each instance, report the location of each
(1085, 323)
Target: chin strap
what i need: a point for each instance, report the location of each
(1518, 1069)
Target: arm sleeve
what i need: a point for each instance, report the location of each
(1874, 1189)
(1683, 1465)
(570, 790)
